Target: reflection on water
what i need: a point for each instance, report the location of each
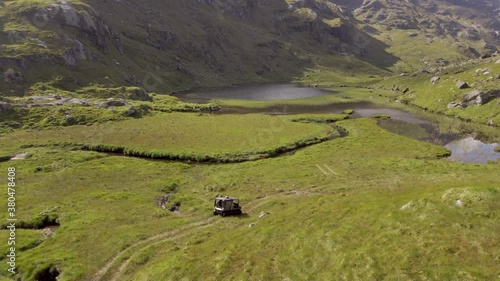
(420, 130)
(469, 150)
(257, 92)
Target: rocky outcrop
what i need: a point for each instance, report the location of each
(4, 106)
(77, 52)
(115, 102)
(478, 97)
(140, 94)
(462, 85)
(12, 76)
(130, 111)
(80, 17)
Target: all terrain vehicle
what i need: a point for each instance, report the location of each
(226, 206)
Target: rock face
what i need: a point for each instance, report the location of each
(117, 102)
(131, 111)
(478, 97)
(462, 85)
(85, 20)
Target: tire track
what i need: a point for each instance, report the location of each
(177, 234)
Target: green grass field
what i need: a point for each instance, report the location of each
(181, 135)
(344, 221)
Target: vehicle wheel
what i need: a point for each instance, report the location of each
(223, 214)
(215, 213)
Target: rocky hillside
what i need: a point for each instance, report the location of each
(433, 33)
(169, 46)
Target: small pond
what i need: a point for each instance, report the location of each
(469, 150)
(464, 149)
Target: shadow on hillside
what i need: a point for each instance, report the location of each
(327, 42)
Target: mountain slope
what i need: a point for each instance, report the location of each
(198, 43)
(175, 45)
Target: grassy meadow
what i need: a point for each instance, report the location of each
(187, 136)
(370, 206)
(436, 97)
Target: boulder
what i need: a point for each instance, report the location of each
(69, 119)
(131, 111)
(487, 97)
(490, 47)
(478, 97)
(471, 53)
(486, 56)
(78, 101)
(471, 95)
(435, 79)
(4, 106)
(140, 94)
(462, 85)
(117, 102)
(12, 77)
(64, 101)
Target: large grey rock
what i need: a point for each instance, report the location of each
(131, 111)
(471, 95)
(478, 97)
(40, 98)
(64, 101)
(462, 85)
(140, 94)
(490, 47)
(117, 102)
